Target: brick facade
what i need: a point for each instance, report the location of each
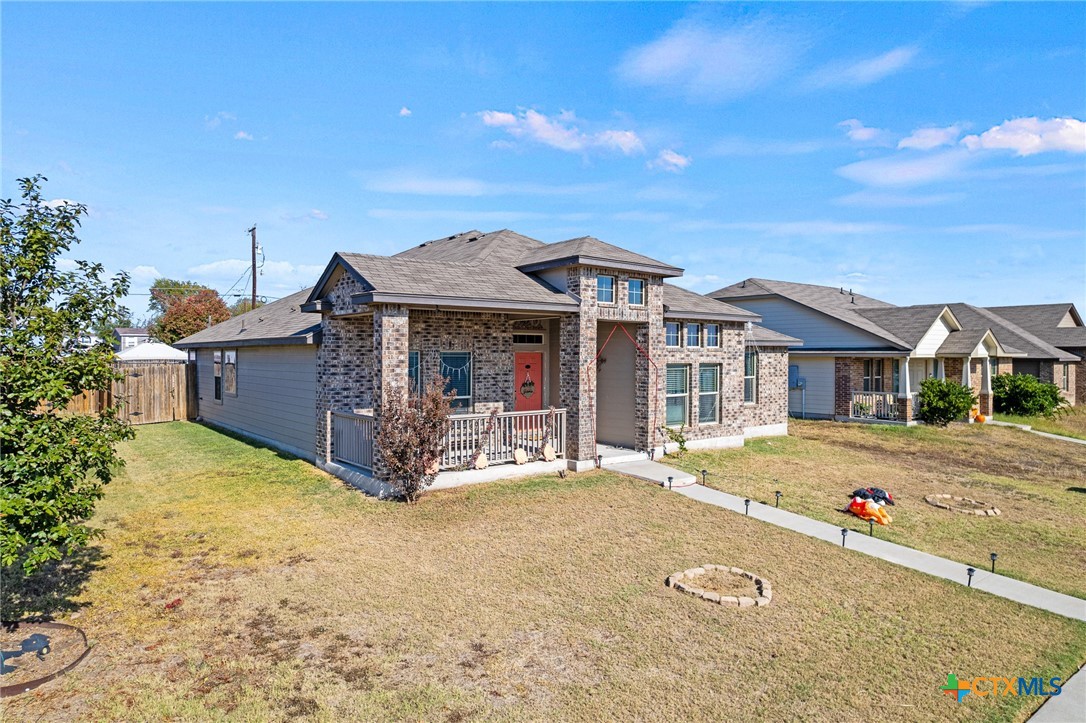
(771, 406)
(729, 356)
(1079, 370)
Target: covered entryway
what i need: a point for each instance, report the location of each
(616, 412)
(528, 381)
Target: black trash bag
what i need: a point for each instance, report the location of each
(863, 494)
(882, 496)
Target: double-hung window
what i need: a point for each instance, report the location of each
(605, 289)
(872, 375)
(1066, 377)
(712, 335)
(230, 372)
(671, 333)
(414, 383)
(678, 394)
(456, 368)
(636, 292)
(750, 377)
(994, 361)
(708, 393)
(693, 335)
(217, 371)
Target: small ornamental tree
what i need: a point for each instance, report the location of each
(1026, 395)
(411, 436)
(52, 464)
(167, 292)
(942, 401)
(186, 316)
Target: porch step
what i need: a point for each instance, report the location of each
(611, 456)
(654, 472)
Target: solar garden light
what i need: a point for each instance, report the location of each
(747, 503)
(669, 481)
(778, 493)
(599, 461)
(704, 475)
(993, 557)
(871, 527)
(969, 571)
(844, 534)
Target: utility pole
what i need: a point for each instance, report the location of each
(252, 234)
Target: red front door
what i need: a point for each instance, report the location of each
(528, 380)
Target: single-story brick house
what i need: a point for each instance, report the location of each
(1061, 326)
(581, 327)
(864, 359)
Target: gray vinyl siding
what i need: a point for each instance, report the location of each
(819, 373)
(814, 329)
(276, 399)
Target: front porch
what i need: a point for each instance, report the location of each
(883, 406)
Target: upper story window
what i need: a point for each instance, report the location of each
(693, 334)
(605, 289)
(712, 335)
(636, 289)
(671, 333)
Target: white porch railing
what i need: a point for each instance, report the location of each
(873, 405)
(352, 438)
(512, 431)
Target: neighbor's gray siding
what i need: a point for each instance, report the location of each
(818, 371)
(276, 399)
(814, 329)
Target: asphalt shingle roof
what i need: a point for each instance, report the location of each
(678, 302)
(1034, 317)
(280, 321)
(837, 303)
(761, 336)
(474, 247)
(908, 323)
(1008, 333)
(590, 251)
(962, 342)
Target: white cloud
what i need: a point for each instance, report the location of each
(405, 111)
(406, 181)
(858, 73)
(66, 265)
(243, 136)
(736, 146)
(924, 139)
(859, 133)
(874, 199)
(894, 171)
(281, 274)
(711, 63)
(318, 214)
(313, 215)
(143, 275)
(58, 202)
(223, 267)
(563, 132)
(696, 282)
(214, 121)
(669, 160)
(1029, 136)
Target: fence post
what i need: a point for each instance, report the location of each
(328, 438)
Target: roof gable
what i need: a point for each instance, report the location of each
(1009, 333)
(590, 251)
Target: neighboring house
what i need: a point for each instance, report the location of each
(863, 358)
(1061, 326)
(516, 326)
(87, 340)
(125, 337)
(153, 351)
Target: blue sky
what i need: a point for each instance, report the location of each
(916, 152)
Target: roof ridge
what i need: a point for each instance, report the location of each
(1025, 334)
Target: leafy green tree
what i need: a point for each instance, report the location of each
(166, 292)
(53, 465)
(943, 401)
(189, 315)
(243, 305)
(1026, 395)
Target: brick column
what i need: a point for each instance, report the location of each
(390, 336)
(843, 384)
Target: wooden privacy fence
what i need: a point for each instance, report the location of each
(150, 392)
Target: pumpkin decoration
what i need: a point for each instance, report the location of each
(980, 419)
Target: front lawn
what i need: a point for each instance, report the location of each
(1038, 484)
(1071, 423)
(540, 599)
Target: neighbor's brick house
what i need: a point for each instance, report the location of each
(585, 328)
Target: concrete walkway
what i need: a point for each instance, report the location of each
(1027, 428)
(1067, 707)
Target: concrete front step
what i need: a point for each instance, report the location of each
(610, 456)
(653, 472)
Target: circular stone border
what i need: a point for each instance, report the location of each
(934, 500)
(7, 691)
(685, 582)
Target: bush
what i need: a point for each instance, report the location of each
(943, 401)
(1026, 395)
(411, 437)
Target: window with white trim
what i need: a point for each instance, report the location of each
(678, 394)
(230, 372)
(750, 376)
(605, 289)
(456, 368)
(1066, 386)
(217, 372)
(708, 394)
(693, 335)
(671, 333)
(635, 292)
(712, 335)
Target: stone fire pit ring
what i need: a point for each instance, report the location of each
(687, 582)
(963, 505)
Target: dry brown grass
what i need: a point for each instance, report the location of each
(1038, 484)
(540, 599)
(726, 583)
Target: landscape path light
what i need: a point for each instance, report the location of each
(993, 557)
(969, 571)
(844, 534)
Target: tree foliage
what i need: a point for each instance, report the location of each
(242, 306)
(1026, 395)
(943, 401)
(52, 465)
(189, 315)
(167, 292)
(411, 436)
